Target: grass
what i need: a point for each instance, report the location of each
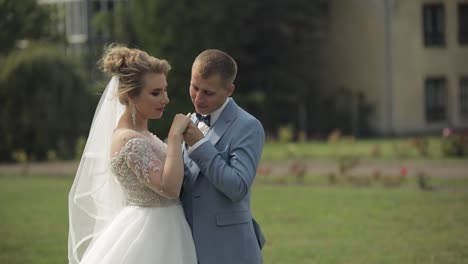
(34, 220)
(373, 149)
(349, 225)
(303, 224)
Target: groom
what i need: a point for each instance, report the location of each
(222, 150)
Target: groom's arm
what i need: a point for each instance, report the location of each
(233, 175)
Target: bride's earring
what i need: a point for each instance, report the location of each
(133, 114)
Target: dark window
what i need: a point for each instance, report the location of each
(464, 98)
(434, 25)
(110, 5)
(99, 5)
(463, 23)
(436, 99)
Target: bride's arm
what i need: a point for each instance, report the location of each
(164, 178)
(173, 171)
(147, 164)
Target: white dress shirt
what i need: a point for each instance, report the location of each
(204, 128)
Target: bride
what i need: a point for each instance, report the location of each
(124, 203)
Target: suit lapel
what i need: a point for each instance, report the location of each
(219, 128)
(224, 121)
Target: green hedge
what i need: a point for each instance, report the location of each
(45, 103)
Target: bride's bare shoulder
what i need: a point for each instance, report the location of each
(124, 134)
(121, 136)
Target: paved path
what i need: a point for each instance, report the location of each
(436, 168)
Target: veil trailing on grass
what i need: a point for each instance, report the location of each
(96, 196)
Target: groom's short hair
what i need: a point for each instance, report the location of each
(212, 61)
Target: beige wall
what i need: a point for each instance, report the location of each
(356, 52)
(353, 54)
(414, 63)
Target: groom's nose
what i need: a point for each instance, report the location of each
(198, 97)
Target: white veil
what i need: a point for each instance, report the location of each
(96, 196)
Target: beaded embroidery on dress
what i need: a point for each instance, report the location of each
(133, 163)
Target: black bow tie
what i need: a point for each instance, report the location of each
(205, 119)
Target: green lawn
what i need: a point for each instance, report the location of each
(33, 220)
(356, 225)
(303, 224)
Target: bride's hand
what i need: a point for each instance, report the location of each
(179, 125)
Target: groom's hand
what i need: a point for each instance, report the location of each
(192, 134)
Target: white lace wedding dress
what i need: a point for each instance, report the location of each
(151, 228)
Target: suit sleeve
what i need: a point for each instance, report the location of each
(233, 175)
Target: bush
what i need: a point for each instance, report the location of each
(285, 134)
(422, 146)
(454, 143)
(45, 103)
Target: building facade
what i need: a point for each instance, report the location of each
(75, 21)
(409, 58)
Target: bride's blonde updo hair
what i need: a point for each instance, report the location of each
(130, 65)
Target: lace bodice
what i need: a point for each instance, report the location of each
(133, 164)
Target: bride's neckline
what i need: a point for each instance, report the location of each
(148, 137)
(145, 134)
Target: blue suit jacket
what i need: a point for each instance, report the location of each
(216, 190)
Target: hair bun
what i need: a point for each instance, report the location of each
(116, 59)
(130, 65)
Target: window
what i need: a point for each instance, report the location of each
(102, 10)
(464, 98)
(436, 99)
(75, 22)
(433, 25)
(463, 23)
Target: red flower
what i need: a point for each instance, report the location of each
(446, 132)
(403, 171)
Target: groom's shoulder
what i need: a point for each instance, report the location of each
(249, 118)
(245, 117)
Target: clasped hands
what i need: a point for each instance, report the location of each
(183, 126)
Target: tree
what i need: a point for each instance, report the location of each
(177, 31)
(24, 19)
(114, 25)
(45, 103)
(279, 44)
(275, 44)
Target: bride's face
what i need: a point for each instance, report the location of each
(152, 100)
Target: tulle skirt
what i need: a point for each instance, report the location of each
(140, 235)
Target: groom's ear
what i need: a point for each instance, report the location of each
(230, 89)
